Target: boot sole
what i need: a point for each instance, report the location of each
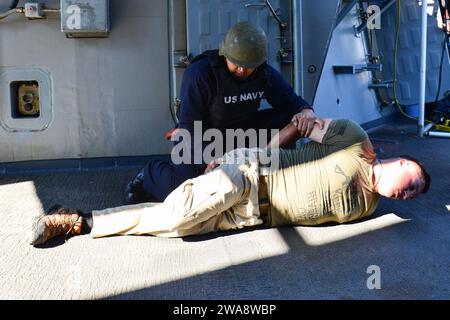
(38, 228)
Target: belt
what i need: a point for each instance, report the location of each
(263, 199)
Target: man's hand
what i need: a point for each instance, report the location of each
(171, 133)
(212, 165)
(305, 120)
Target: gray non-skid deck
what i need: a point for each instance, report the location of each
(408, 240)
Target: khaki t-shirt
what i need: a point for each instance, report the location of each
(324, 182)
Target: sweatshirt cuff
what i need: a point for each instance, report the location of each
(306, 107)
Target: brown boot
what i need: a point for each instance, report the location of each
(61, 222)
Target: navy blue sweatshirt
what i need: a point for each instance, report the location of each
(211, 94)
(201, 95)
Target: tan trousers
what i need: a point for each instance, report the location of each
(226, 198)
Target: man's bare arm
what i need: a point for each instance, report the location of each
(290, 133)
(287, 136)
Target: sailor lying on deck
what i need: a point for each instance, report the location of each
(334, 178)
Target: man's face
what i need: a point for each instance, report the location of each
(405, 180)
(239, 72)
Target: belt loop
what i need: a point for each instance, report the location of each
(263, 171)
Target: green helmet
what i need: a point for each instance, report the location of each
(245, 45)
